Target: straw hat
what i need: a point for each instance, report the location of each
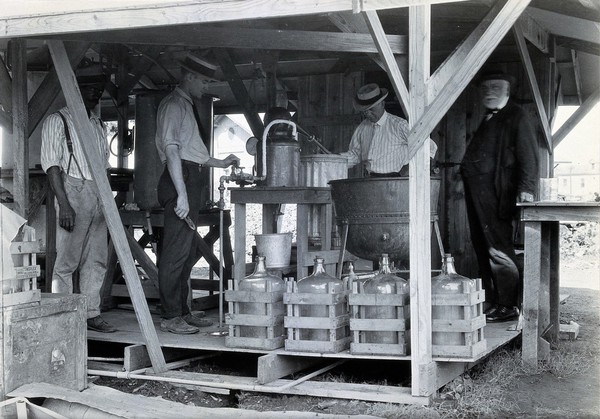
(200, 66)
(368, 96)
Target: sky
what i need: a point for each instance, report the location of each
(582, 145)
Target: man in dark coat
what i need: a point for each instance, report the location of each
(499, 169)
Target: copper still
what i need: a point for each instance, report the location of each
(376, 212)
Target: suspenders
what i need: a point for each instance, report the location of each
(70, 145)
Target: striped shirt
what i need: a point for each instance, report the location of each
(382, 146)
(176, 124)
(54, 145)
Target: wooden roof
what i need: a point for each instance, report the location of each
(303, 37)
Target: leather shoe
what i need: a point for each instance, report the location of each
(491, 310)
(196, 320)
(177, 325)
(100, 325)
(502, 314)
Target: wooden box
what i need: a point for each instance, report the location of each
(45, 343)
(460, 337)
(257, 325)
(22, 288)
(396, 330)
(335, 325)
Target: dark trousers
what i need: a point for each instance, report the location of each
(179, 252)
(492, 239)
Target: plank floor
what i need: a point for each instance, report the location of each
(128, 332)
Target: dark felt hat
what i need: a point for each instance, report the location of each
(497, 75)
(91, 72)
(368, 96)
(200, 66)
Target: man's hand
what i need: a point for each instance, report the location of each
(183, 207)
(232, 159)
(66, 217)
(525, 197)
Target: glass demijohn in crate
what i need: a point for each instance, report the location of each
(449, 282)
(317, 283)
(259, 281)
(385, 282)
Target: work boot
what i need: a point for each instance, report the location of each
(100, 325)
(196, 320)
(177, 325)
(503, 314)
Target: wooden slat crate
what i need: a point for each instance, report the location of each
(363, 328)
(45, 343)
(335, 325)
(462, 337)
(268, 324)
(22, 288)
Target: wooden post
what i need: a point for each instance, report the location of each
(19, 127)
(422, 366)
(113, 220)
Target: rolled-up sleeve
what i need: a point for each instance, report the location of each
(52, 142)
(169, 123)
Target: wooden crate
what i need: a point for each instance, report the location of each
(45, 343)
(361, 326)
(267, 323)
(469, 328)
(22, 288)
(298, 325)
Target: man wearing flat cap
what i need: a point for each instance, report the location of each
(499, 169)
(380, 142)
(183, 153)
(81, 234)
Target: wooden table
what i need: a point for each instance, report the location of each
(541, 271)
(305, 198)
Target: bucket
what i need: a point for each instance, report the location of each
(316, 170)
(276, 248)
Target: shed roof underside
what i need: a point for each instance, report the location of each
(305, 40)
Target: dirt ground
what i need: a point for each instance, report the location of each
(566, 386)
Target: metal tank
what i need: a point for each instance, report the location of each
(376, 211)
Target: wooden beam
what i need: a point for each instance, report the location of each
(494, 27)
(272, 39)
(182, 12)
(366, 5)
(574, 119)
(49, 90)
(18, 52)
(422, 366)
(576, 73)
(534, 32)
(535, 88)
(578, 45)
(85, 130)
(352, 23)
(5, 93)
(389, 61)
(239, 90)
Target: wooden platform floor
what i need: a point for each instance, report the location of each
(496, 334)
(279, 363)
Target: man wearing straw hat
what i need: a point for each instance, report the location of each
(183, 153)
(380, 142)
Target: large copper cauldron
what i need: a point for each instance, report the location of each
(376, 210)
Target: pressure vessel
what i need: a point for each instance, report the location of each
(259, 281)
(446, 283)
(385, 282)
(320, 282)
